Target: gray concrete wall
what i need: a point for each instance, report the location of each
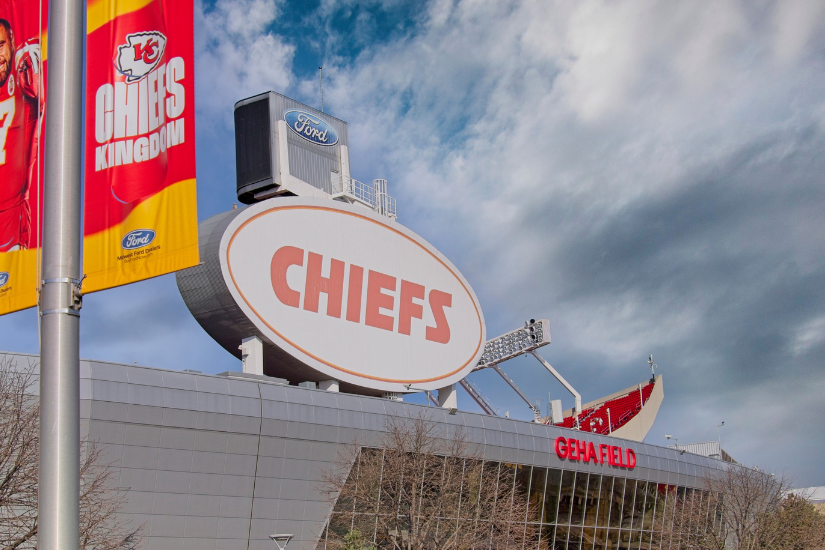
(214, 462)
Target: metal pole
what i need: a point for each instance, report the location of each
(59, 478)
(321, 84)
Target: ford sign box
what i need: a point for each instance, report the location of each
(335, 291)
(310, 127)
(137, 239)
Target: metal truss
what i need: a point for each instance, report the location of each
(521, 341)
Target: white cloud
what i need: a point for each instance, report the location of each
(808, 336)
(494, 109)
(238, 54)
(796, 23)
(633, 170)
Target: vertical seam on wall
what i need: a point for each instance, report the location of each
(257, 459)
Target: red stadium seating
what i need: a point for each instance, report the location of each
(621, 408)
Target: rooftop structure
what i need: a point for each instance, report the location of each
(712, 449)
(286, 148)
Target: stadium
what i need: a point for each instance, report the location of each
(336, 312)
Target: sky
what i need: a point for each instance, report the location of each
(648, 176)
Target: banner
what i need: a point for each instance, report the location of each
(23, 26)
(140, 201)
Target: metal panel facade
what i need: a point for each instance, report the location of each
(307, 161)
(222, 463)
(314, 167)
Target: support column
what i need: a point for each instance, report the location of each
(448, 397)
(283, 152)
(345, 162)
(252, 355)
(59, 476)
(329, 385)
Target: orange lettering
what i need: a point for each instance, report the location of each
(283, 258)
(408, 309)
(376, 300)
(356, 285)
(333, 286)
(440, 333)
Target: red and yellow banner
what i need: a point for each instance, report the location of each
(23, 26)
(140, 204)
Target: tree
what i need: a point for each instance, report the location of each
(420, 487)
(741, 509)
(100, 500)
(354, 540)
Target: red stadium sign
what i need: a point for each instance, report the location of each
(584, 451)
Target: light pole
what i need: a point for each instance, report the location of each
(719, 434)
(653, 367)
(59, 475)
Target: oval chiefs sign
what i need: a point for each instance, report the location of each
(352, 294)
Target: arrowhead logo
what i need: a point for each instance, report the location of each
(141, 53)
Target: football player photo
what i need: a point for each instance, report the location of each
(20, 82)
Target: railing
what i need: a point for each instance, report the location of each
(479, 397)
(373, 196)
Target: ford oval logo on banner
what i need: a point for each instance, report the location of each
(4, 278)
(137, 238)
(311, 127)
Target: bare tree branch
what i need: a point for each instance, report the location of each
(742, 509)
(101, 528)
(421, 487)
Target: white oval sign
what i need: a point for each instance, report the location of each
(352, 294)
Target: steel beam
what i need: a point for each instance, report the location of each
(512, 384)
(577, 410)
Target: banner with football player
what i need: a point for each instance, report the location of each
(23, 26)
(140, 201)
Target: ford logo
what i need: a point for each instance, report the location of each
(4, 278)
(137, 238)
(311, 127)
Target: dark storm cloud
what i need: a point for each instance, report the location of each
(739, 241)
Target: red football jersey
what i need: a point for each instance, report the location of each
(18, 123)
